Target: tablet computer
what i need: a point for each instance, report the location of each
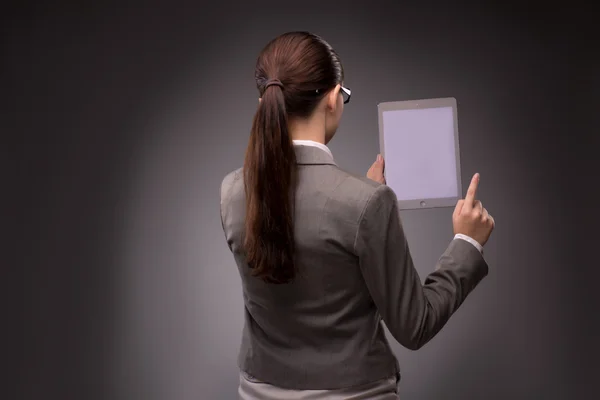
(419, 142)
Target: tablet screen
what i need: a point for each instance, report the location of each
(420, 153)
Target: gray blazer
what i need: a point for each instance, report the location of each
(324, 331)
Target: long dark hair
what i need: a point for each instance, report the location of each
(292, 74)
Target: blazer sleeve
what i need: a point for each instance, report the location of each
(413, 312)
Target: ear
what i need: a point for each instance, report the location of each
(259, 100)
(332, 98)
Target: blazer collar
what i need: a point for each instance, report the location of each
(311, 155)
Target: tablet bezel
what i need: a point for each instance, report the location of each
(415, 105)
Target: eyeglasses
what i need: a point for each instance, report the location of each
(345, 92)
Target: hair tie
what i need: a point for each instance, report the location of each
(272, 82)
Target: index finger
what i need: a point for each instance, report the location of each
(472, 191)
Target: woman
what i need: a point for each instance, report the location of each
(321, 253)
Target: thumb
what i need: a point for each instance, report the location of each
(377, 166)
(381, 161)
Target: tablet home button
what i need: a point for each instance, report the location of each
(422, 204)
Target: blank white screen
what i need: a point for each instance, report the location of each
(420, 155)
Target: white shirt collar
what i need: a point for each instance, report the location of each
(314, 144)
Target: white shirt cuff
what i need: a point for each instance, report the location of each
(470, 240)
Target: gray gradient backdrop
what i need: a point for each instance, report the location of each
(122, 121)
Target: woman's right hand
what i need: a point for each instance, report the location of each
(470, 218)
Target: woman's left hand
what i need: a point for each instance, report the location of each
(377, 170)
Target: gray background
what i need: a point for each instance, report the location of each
(119, 122)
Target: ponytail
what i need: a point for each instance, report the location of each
(269, 172)
(309, 67)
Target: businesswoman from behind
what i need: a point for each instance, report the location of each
(322, 255)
